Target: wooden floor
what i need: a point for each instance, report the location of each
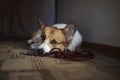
(15, 66)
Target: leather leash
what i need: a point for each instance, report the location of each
(70, 55)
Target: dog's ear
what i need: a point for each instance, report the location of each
(40, 23)
(70, 30)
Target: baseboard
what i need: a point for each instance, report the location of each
(106, 50)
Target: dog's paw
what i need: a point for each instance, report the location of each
(35, 46)
(29, 41)
(32, 46)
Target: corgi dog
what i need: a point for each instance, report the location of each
(62, 36)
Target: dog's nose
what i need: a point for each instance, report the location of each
(40, 51)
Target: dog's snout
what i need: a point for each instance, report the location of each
(40, 51)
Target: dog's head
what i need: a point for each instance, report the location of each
(53, 37)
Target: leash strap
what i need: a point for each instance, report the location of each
(70, 55)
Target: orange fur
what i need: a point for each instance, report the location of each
(55, 34)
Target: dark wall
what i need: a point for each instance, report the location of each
(98, 20)
(18, 18)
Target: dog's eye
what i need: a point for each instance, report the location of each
(43, 36)
(53, 41)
